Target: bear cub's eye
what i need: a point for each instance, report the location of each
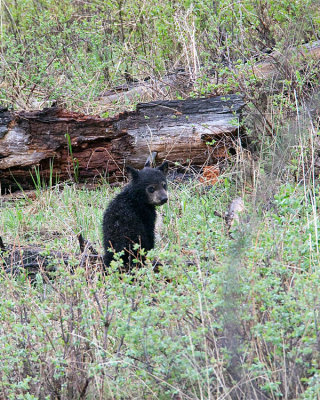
(164, 186)
(151, 189)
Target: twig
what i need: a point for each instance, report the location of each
(232, 214)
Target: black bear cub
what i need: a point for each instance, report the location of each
(130, 217)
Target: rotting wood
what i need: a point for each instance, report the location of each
(177, 82)
(65, 145)
(210, 175)
(235, 208)
(273, 63)
(34, 259)
(31, 259)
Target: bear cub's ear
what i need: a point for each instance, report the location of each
(133, 174)
(164, 167)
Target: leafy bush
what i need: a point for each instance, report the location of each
(230, 315)
(223, 315)
(72, 51)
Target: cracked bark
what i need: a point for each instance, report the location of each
(70, 145)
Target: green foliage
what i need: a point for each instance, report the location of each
(230, 313)
(218, 309)
(72, 51)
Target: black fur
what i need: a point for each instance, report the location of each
(130, 217)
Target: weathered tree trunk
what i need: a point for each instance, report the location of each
(15, 259)
(276, 62)
(75, 146)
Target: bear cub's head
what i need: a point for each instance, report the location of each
(150, 184)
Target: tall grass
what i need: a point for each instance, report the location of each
(230, 315)
(225, 318)
(73, 51)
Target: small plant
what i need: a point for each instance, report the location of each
(230, 313)
(75, 162)
(218, 310)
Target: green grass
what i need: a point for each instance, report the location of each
(223, 317)
(228, 316)
(73, 52)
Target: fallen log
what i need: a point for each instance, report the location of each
(63, 145)
(134, 90)
(275, 62)
(32, 260)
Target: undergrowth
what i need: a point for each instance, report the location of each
(226, 317)
(74, 51)
(230, 315)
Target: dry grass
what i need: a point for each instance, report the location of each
(224, 319)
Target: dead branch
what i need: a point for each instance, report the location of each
(232, 214)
